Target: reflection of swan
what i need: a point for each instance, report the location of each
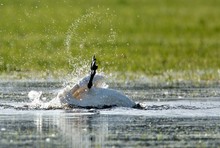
(88, 92)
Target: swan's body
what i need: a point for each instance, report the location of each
(98, 97)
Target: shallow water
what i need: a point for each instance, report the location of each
(173, 115)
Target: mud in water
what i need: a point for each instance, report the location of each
(183, 115)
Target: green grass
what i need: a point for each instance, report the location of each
(152, 36)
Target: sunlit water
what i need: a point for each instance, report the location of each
(172, 115)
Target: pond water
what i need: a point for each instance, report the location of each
(182, 115)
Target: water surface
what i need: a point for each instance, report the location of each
(173, 115)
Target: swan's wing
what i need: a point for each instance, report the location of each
(78, 90)
(97, 79)
(84, 81)
(74, 88)
(78, 93)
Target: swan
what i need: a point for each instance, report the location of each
(90, 92)
(96, 97)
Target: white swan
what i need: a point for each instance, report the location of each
(89, 92)
(98, 97)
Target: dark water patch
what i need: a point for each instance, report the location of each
(21, 85)
(166, 131)
(168, 107)
(174, 93)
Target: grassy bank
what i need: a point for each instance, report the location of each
(150, 37)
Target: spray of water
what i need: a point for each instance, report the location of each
(90, 34)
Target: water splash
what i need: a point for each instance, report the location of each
(90, 34)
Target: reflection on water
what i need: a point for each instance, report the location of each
(52, 128)
(173, 117)
(83, 130)
(90, 129)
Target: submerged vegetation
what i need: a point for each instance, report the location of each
(153, 37)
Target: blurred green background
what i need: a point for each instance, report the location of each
(151, 37)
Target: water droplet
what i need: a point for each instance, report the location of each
(3, 129)
(47, 140)
(86, 33)
(180, 97)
